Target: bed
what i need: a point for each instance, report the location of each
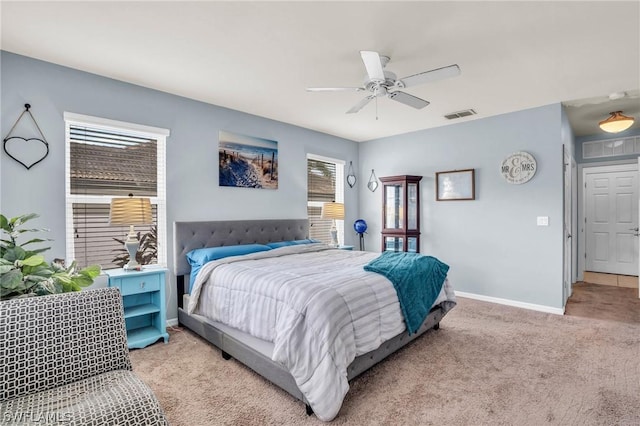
(258, 353)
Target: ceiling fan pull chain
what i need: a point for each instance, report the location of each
(376, 95)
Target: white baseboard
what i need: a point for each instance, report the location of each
(172, 322)
(524, 305)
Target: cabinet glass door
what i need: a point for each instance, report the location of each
(394, 203)
(412, 206)
(393, 243)
(412, 244)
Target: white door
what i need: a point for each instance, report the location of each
(567, 222)
(611, 198)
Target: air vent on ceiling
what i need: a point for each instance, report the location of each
(460, 114)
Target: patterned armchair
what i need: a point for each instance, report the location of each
(64, 360)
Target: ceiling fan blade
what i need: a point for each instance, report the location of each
(407, 99)
(334, 89)
(357, 107)
(427, 76)
(373, 65)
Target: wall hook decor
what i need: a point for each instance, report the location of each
(373, 182)
(28, 161)
(351, 177)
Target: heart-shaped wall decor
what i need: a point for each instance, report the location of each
(30, 160)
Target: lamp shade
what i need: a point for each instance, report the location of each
(332, 211)
(130, 211)
(617, 122)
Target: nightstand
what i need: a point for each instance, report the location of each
(345, 247)
(144, 304)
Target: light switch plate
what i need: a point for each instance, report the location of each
(543, 220)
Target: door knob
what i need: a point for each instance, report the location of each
(634, 229)
(568, 236)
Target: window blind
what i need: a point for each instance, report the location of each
(94, 238)
(323, 185)
(112, 163)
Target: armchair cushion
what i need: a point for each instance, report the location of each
(112, 398)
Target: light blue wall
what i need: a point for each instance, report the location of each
(192, 177)
(492, 244)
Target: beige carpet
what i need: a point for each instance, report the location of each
(604, 302)
(487, 365)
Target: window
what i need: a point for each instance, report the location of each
(325, 177)
(106, 159)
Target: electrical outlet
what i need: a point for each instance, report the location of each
(543, 220)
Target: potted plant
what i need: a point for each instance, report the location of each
(147, 250)
(25, 273)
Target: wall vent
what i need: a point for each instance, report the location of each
(460, 114)
(611, 147)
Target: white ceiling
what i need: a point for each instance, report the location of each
(259, 57)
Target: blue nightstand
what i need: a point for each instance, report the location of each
(144, 304)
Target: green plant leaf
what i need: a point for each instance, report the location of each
(35, 278)
(33, 260)
(41, 270)
(62, 277)
(4, 223)
(40, 250)
(22, 231)
(81, 281)
(36, 240)
(19, 220)
(11, 280)
(14, 253)
(5, 268)
(91, 271)
(47, 287)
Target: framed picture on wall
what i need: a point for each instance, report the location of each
(247, 161)
(456, 185)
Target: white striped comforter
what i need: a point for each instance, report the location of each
(319, 307)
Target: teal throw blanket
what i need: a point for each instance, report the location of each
(417, 279)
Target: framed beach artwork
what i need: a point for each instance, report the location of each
(456, 185)
(247, 161)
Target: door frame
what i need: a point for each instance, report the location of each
(583, 168)
(569, 230)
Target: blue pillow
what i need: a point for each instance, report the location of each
(197, 258)
(291, 243)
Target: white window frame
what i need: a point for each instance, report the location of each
(157, 133)
(339, 192)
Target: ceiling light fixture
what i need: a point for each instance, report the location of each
(616, 123)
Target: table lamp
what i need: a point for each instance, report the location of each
(333, 211)
(131, 211)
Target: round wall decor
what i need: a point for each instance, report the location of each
(518, 167)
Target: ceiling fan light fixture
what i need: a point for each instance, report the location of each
(616, 123)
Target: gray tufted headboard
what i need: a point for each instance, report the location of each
(192, 235)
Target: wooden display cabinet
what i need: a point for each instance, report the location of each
(401, 213)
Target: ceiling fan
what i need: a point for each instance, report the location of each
(385, 83)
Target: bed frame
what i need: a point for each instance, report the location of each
(250, 351)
